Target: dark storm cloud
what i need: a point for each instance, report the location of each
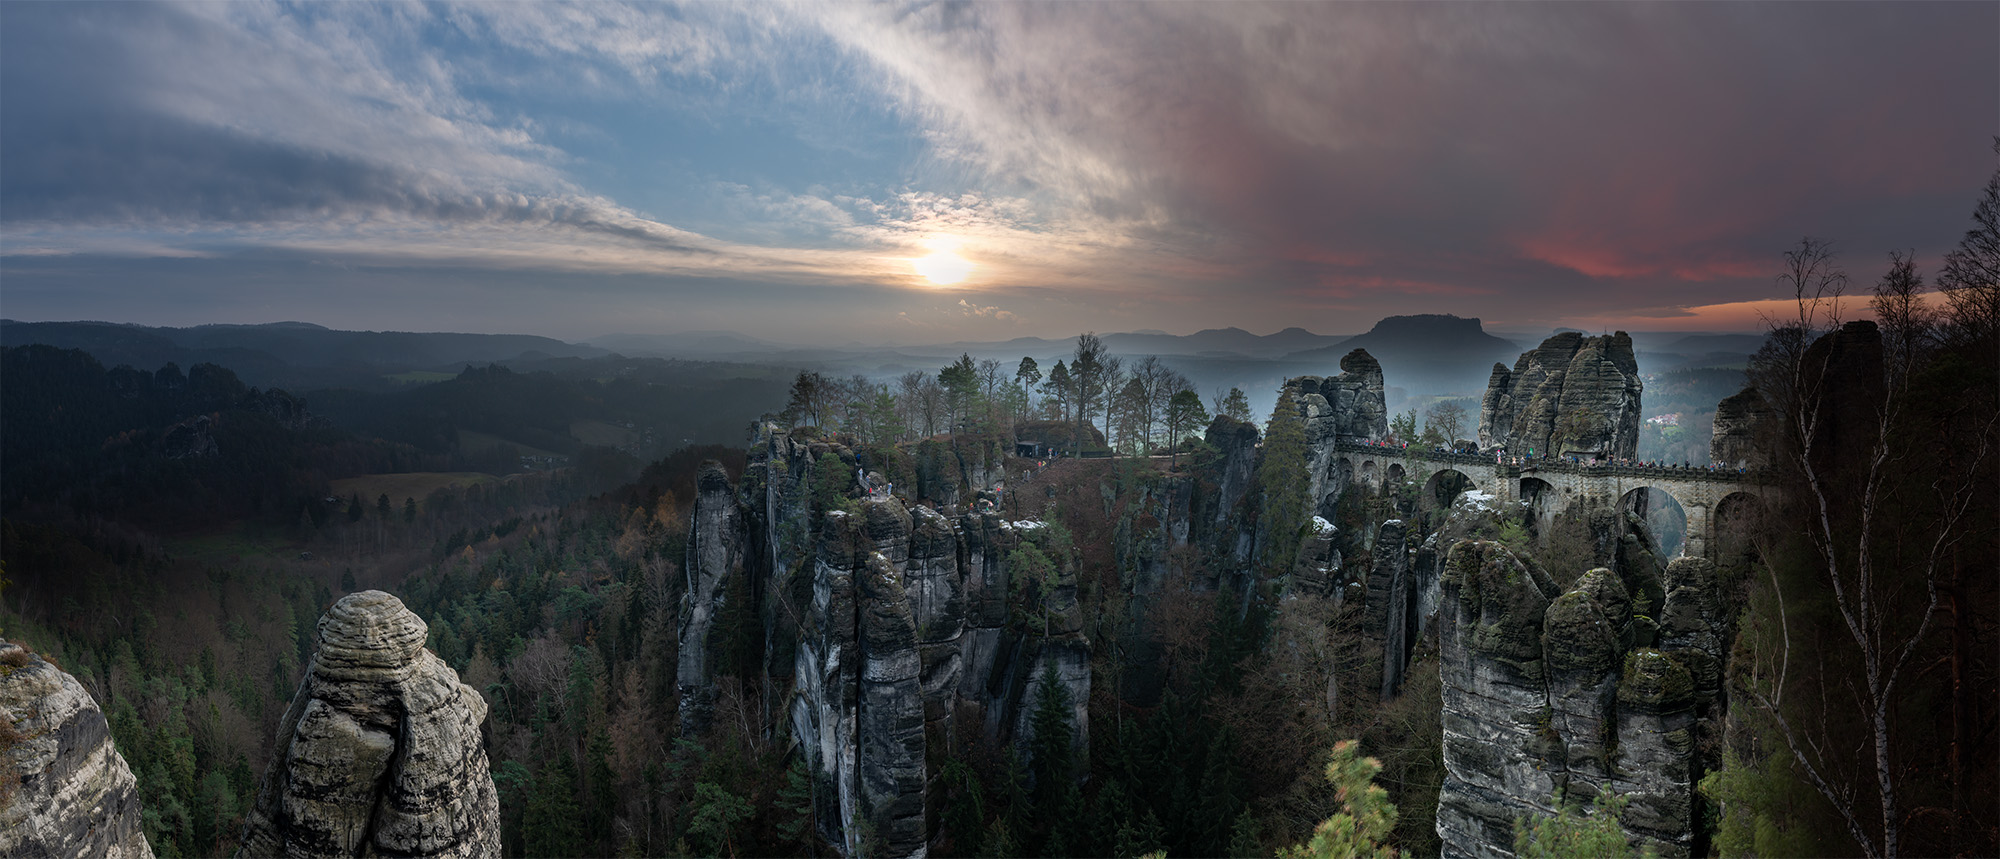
(1533, 151)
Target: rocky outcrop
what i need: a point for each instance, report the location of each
(64, 790)
(1235, 444)
(714, 554)
(1502, 757)
(1571, 396)
(1738, 418)
(1347, 407)
(1549, 691)
(380, 753)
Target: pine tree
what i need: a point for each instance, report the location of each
(1571, 835)
(552, 824)
(1365, 818)
(1283, 475)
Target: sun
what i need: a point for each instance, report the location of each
(944, 266)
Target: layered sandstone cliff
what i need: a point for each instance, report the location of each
(1571, 396)
(381, 750)
(1738, 421)
(1347, 407)
(64, 790)
(1551, 692)
(895, 625)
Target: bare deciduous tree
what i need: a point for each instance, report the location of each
(1848, 495)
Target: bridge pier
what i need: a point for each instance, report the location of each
(1698, 524)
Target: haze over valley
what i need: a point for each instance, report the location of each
(999, 429)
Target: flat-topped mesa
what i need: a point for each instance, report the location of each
(1347, 407)
(380, 752)
(1571, 396)
(64, 790)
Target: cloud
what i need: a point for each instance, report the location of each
(967, 308)
(1682, 142)
(1140, 161)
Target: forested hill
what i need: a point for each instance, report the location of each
(293, 355)
(645, 407)
(166, 448)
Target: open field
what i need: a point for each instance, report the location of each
(472, 442)
(413, 484)
(603, 434)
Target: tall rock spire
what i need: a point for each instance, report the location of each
(380, 752)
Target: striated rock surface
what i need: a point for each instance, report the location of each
(381, 751)
(1502, 758)
(1572, 395)
(64, 790)
(1548, 691)
(1347, 407)
(860, 711)
(1390, 603)
(1737, 418)
(1235, 443)
(714, 553)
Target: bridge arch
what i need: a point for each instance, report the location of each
(1734, 520)
(1444, 485)
(1396, 474)
(1543, 502)
(1665, 519)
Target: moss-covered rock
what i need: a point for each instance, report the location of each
(1655, 681)
(1577, 637)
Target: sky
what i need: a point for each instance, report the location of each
(831, 173)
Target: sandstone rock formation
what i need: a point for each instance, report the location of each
(714, 552)
(380, 752)
(1235, 443)
(1737, 418)
(64, 790)
(1347, 407)
(1573, 395)
(1547, 690)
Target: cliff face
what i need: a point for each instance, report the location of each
(64, 790)
(380, 752)
(1349, 407)
(715, 551)
(1737, 418)
(1548, 690)
(895, 626)
(1573, 395)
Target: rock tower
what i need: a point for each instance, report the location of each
(64, 791)
(1572, 395)
(380, 752)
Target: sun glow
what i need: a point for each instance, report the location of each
(944, 266)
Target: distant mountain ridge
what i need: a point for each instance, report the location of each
(1431, 353)
(293, 355)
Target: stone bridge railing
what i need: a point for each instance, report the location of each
(1697, 489)
(1587, 469)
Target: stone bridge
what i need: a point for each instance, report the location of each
(1548, 486)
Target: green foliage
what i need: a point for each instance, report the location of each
(964, 815)
(1767, 810)
(1573, 835)
(715, 817)
(1282, 473)
(1365, 818)
(1243, 843)
(552, 825)
(1403, 426)
(794, 805)
(1235, 405)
